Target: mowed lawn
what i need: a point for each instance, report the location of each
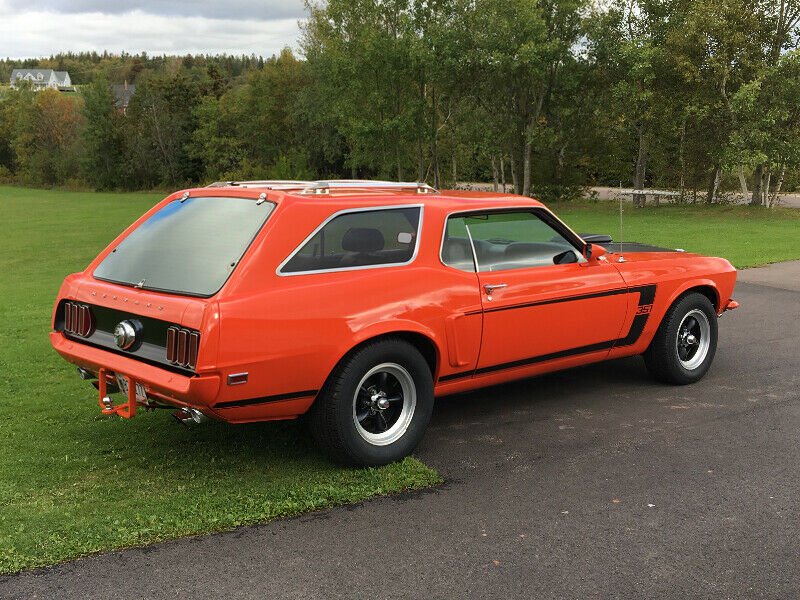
(747, 236)
(74, 482)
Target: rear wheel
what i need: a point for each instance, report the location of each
(376, 405)
(684, 345)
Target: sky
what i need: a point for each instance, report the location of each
(37, 28)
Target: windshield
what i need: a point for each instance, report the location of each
(188, 247)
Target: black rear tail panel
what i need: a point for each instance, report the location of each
(151, 339)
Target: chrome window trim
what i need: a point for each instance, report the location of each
(301, 245)
(441, 246)
(501, 209)
(475, 262)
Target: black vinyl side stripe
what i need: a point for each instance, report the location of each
(614, 292)
(647, 294)
(266, 399)
(454, 376)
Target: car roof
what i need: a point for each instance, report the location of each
(340, 194)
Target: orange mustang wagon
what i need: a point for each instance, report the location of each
(358, 302)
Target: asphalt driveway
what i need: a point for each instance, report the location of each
(594, 483)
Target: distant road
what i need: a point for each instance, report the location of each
(612, 193)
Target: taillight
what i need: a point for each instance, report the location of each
(78, 319)
(182, 345)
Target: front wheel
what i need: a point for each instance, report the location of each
(684, 345)
(375, 407)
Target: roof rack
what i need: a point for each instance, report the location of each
(272, 184)
(325, 187)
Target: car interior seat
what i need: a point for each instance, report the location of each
(361, 244)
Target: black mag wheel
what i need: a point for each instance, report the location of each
(384, 403)
(683, 348)
(693, 340)
(375, 406)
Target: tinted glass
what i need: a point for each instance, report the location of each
(359, 239)
(456, 248)
(517, 240)
(188, 247)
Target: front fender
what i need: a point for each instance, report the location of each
(674, 276)
(693, 284)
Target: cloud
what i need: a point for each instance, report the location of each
(233, 10)
(33, 33)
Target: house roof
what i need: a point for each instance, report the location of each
(123, 94)
(19, 73)
(43, 75)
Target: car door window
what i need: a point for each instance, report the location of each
(358, 239)
(505, 241)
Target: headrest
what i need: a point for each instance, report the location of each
(363, 239)
(457, 249)
(523, 250)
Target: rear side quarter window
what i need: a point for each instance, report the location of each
(359, 238)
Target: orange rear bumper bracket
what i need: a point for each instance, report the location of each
(731, 305)
(127, 410)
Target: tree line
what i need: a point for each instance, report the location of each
(543, 95)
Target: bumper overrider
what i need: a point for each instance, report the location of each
(183, 391)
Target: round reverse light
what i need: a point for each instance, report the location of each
(125, 335)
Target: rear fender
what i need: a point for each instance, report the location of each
(394, 327)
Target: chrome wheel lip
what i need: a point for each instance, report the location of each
(702, 339)
(409, 400)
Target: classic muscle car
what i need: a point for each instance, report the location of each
(357, 302)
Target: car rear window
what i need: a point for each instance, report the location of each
(188, 247)
(358, 239)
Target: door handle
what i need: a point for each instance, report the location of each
(491, 288)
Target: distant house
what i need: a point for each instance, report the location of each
(41, 78)
(122, 95)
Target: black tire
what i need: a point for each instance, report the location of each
(684, 345)
(346, 419)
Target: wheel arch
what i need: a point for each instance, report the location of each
(423, 342)
(660, 356)
(705, 287)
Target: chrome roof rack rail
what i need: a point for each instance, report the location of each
(272, 184)
(325, 187)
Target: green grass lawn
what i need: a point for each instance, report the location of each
(747, 236)
(74, 482)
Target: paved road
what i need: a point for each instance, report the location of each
(595, 483)
(790, 200)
